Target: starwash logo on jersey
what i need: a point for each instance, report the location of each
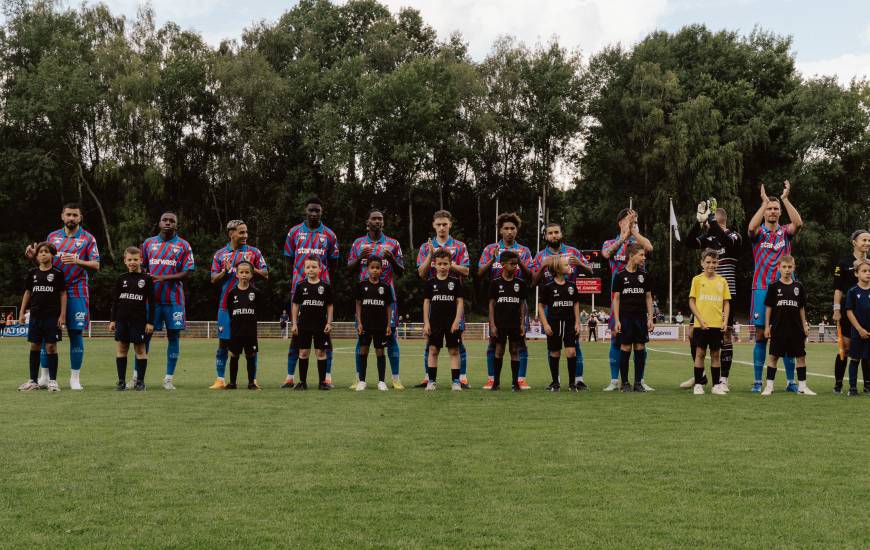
(306, 251)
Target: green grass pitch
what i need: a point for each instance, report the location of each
(197, 468)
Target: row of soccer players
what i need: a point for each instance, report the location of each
(169, 259)
(133, 307)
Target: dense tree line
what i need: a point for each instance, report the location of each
(364, 107)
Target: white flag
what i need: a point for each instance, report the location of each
(674, 221)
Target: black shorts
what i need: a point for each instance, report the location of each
(634, 329)
(130, 332)
(858, 347)
(707, 338)
(248, 345)
(788, 345)
(43, 331)
(304, 339)
(376, 338)
(503, 335)
(438, 338)
(563, 335)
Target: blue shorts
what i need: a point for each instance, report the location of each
(758, 309)
(77, 314)
(170, 316)
(223, 324)
(43, 331)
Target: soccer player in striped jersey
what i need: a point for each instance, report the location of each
(615, 252)
(711, 232)
(223, 272)
(77, 252)
(770, 242)
(374, 244)
(169, 260)
(442, 221)
(309, 238)
(508, 226)
(555, 252)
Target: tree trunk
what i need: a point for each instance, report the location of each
(99, 204)
(411, 220)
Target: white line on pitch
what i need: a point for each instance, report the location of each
(734, 361)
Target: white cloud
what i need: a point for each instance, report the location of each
(585, 24)
(845, 67)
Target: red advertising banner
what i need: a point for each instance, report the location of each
(590, 285)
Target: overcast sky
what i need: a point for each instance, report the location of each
(830, 37)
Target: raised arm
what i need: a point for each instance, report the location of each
(793, 215)
(758, 218)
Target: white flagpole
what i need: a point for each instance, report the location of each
(538, 247)
(496, 221)
(670, 264)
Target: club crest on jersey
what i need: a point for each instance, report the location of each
(155, 247)
(320, 290)
(301, 237)
(516, 287)
(797, 291)
(640, 278)
(251, 296)
(141, 283)
(49, 277)
(380, 290)
(570, 290)
(450, 285)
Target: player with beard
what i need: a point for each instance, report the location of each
(553, 255)
(76, 254)
(309, 238)
(374, 244)
(770, 242)
(614, 250)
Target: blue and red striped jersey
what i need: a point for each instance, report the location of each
(244, 253)
(619, 259)
(302, 241)
(564, 250)
(378, 248)
(162, 257)
(83, 245)
(768, 246)
(458, 253)
(493, 252)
